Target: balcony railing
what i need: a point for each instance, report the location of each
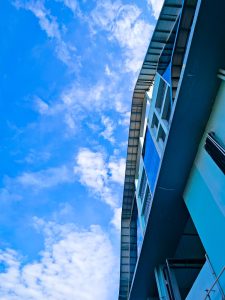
(208, 297)
(216, 150)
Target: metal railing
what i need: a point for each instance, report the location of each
(215, 282)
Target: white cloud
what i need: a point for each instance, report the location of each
(73, 5)
(156, 6)
(109, 129)
(47, 109)
(91, 168)
(70, 122)
(73, 105)
(117, 169)
(75, 264)
(76, 97)
(45, 178)
(48, 23)
(124, 24)
(41, 106)
(77, 103)
(116, 220)
(64, 212)
(125, 119)
(100, 175)
(120, 106)
(108, 71)
(33, 156)
(35, 182)
(105, 13)
(94, 127)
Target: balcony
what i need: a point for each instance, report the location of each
(154, 131)
(144, 198)
(159, 118)
(188, 279)
(207, 285)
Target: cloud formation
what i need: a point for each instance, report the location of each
(72, 263)
(73, 260)
(65, 51)
(109, 128)
(117, 170)
(92, 171)
(124, 25)
(156, 6)
(100, 175)
(74, 104)
(45, 178)
(35, 182)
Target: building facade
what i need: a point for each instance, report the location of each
(173, 212)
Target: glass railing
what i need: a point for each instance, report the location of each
(153, 136)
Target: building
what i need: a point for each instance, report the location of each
(173, 212)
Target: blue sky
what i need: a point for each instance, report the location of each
(67, 71)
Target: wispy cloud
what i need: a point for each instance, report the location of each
(109, 128)
(125, 119)
(72, 262)
(73, 5)
(73, 100)
(77, 97)
(36, 156)
(41, 106)
(124, 24)
(156, 6)
(34, 182)
(7, 195)
(65, 51)
(105, 13)
(77, 103)
(45, 178)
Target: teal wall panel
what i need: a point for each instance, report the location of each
(202, 284)
(208, 219)
(205, 192)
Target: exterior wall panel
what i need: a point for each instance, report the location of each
(205, 191)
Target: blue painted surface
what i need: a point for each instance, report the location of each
(167, 74)
(151, 159)
(208, 219)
